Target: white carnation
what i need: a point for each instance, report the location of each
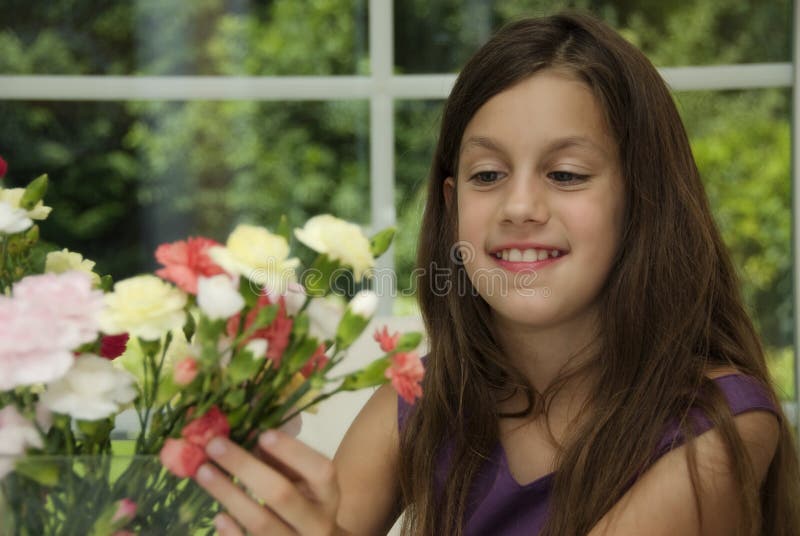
(92, 389)
(218, 296)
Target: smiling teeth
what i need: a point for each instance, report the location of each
(526, 255)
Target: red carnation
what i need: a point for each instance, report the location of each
(182, 458)
(185, 261)
(112, 346)
(276, 333)
(3, 167)
(212, 424)
(388, 342)
(406, 373)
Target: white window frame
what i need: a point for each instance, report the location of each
(382, 88)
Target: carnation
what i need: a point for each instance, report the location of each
(63, 304)
(211, 424)
(339, 240)
(143, 306)
(405, 373)
(92, 389)
(58, 262)
(185, 261)
(260, 256)
(13, 196)
(17, 434)
(181, 457)
(68, 298)
(12, 219)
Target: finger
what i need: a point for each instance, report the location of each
(254, 517)
(315, 469)
(293, 426)
(226, 526)
(278, 492)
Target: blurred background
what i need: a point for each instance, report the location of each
(129, 172)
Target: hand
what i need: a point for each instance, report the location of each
(296, 485)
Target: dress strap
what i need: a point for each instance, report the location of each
(743, 393)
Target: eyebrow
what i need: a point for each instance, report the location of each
(566, 142)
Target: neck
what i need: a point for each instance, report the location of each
(543, 353)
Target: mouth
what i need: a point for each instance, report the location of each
(526, 258)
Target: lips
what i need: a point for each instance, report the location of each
(526, 257)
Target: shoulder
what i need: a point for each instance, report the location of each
(662, 500)
(366, 465)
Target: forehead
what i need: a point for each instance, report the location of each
(544, 107)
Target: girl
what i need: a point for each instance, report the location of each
(597, 373)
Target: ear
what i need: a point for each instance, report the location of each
(449, 189)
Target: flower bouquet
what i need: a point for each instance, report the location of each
(226, 340)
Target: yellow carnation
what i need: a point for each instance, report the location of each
(12, 196)
(143, 306)
(58, 262)
(258, 255)
(338, 239)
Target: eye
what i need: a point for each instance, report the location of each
(486, 177)
(566, 177)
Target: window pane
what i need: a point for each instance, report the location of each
(128, 176)
(440, 36)
(742, 144)
(151, 37)
(417, 128)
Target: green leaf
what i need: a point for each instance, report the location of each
(34, 193)
(249, 291)
(189, 327)
(350, 328)
(317, 279)
(370, 376)
(38, 470)
(409, 341)
(301, 354)
(381, 241)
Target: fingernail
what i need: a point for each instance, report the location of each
(204, 473)
(268, 438)
(216, 447)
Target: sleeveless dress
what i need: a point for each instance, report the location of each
(499, 505)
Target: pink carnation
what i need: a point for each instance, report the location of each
(62, 306)
(185, 371)
(68, 297)
(388, 342)
(406, 373)
(185, 261)
(212, 424)
(182, 458)
(276, 333)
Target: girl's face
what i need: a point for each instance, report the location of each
(540, 201)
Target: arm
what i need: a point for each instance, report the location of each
(302, 491)
(366, 463)
(661, 502)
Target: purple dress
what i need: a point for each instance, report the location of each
(500, 506)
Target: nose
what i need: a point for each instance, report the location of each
(525, 200)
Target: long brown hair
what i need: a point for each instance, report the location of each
(670, 310)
